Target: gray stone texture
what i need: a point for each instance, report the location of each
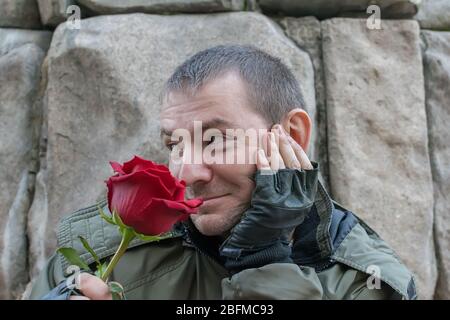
(21, 56)
(19, 14)
(437, 84)
(377, 135)
(434, 14)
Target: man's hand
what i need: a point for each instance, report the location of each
(285, 189)
(281, 151)
(92, 288)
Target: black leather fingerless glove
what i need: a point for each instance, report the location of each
(279, 204)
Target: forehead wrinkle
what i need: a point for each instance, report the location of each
(190, 106)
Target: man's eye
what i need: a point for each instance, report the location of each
(213, 138)
(170, 146)
(216, 139)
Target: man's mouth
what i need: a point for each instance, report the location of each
(205, 199)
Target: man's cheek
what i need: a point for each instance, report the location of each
(244, 154)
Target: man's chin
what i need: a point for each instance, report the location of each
(212, 224)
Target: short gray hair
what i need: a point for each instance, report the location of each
(272, 88)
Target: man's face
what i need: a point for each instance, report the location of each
(226, 188)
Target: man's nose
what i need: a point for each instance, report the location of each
(193, 173)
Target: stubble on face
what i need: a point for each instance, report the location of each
(220, 219)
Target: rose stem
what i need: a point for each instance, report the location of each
(127, 236)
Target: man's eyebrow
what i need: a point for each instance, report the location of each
(164, 132)
(215, 123)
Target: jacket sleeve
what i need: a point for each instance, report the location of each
(289, 281)
(49, 278)
(343, 283)
(364, 293)
(273, 281)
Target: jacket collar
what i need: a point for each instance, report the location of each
(322, 231)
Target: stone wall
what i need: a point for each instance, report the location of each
(73, 99)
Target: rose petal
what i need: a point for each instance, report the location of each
(161, 167)
(167, 179)
(150, 180)
(110, 187)
(159, 217)
(178, 195)
(117, 167)
(139, 164)
(128, 194)
(193, 203)
(148, 197)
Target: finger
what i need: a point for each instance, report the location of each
(265, 144)
(275, 145)
(300, 153)
(286, 151)
(78, 298)
(262, 163)
(94, 288)
(276, 162)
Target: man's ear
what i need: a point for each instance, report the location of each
(298, 124)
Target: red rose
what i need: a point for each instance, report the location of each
(147, 197)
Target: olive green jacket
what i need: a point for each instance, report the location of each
(336, 255)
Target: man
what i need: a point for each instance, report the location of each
(265, 230)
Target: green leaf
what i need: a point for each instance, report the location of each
(101, 269)
(73, 257)
(117, 220)
(117, 290)
(148, 238)
(90, 250)
(153, 238)
(104, 216)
